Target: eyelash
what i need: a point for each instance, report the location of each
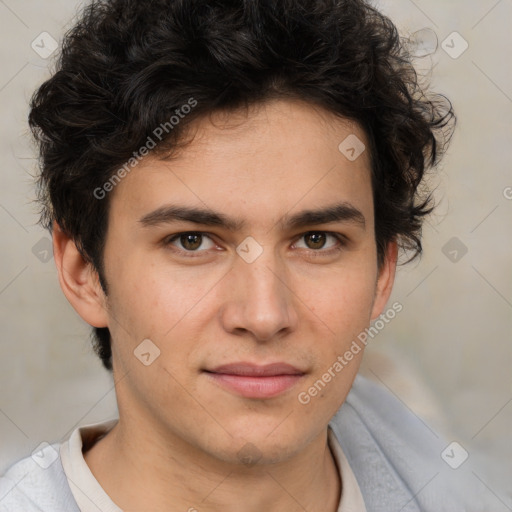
(342, 242)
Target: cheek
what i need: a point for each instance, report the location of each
(341, 299)
(342, 310)
(156, 301)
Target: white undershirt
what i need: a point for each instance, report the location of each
(91, 497)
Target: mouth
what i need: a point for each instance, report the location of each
(256, 381)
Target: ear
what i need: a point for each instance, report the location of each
(78, 280)
(385, 279)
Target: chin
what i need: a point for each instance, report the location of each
(264, 442)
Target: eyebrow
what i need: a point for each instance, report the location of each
(342, 212)
(172, 213)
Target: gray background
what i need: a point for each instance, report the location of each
(447, 355)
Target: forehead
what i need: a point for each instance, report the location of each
(273, 129)
(271, 158)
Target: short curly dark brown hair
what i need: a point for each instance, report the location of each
(127, 65)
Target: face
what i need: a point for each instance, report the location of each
(254, 248)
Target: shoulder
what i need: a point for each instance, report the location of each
(37, 484)
(397, 458)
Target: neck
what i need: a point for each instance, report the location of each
(142, 470)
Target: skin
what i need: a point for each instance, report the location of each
(176, 445)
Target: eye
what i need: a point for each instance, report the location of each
(191, 241)
(316, 240)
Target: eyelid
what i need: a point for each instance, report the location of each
(167, 241)
(342, 240)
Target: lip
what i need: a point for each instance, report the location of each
(255, 370)
(256, 381)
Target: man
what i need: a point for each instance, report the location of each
(228, 185)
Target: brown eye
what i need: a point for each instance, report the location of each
(320, 242)
(191, 241)
(315, 240)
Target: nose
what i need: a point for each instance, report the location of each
(259, 300)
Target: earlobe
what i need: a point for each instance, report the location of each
(385, 280)
(78, 280)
